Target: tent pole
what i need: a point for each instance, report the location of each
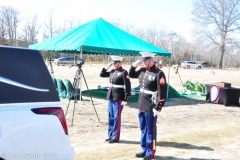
(108, 56)
(81, 76)
(168, 76)
(80, 51)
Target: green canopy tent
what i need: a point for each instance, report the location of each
(97, 37)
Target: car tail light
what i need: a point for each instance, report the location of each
(53, 111)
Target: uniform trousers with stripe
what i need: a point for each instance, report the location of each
(114, 118)
(148, 133)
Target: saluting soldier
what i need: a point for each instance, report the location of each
(118, 95)
(153, 92)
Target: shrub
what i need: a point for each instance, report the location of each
(189, 85)
(199, 87)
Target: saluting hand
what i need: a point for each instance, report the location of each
(135, 64)
(108, 66)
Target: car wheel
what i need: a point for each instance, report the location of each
(199, 67)
(188, 67)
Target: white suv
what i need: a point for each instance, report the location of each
(190, 64)
(32, 122)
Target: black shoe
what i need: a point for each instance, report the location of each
(139, 155)
(147, 158)
(107, 139)
(112, 141)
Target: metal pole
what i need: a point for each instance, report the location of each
(110, 67)
(168, 76)
(81, 51)
(80, 76)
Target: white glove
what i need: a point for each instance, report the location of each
(108, 66)
(135, 64)
(123, 103)
(155, 112)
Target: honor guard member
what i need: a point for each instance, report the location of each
(152, 95)
(117, 97)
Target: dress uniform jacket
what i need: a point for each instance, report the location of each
(153, 80)
(117, 77)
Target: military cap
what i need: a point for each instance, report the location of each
(116, 58)
(146, 55)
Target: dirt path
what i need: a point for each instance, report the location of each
(190, 131)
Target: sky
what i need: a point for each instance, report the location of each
(174, 15)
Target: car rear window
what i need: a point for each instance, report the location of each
(24, 77)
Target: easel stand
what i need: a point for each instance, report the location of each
(76, 92)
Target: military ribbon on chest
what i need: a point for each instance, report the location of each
(151, 78)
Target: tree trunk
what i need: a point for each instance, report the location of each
(222, 49)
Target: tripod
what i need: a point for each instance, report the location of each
(49, 65)
(76, 90)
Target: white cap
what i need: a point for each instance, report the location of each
(116, 58)
(146, 55)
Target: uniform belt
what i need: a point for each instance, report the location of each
(116, 86)
(146, 91)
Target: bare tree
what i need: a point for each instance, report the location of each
(11, 21)
(129, 27)
(152, 35)
(218, 17)
(117, 22)
(162, 36)
(44, 34)
(236, 57)
(30, 30)
(179, 47)
(68, 24)
(3, 30)
(78, 22)
(50, 28)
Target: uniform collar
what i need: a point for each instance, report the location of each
(151, 68)
(120, 68)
